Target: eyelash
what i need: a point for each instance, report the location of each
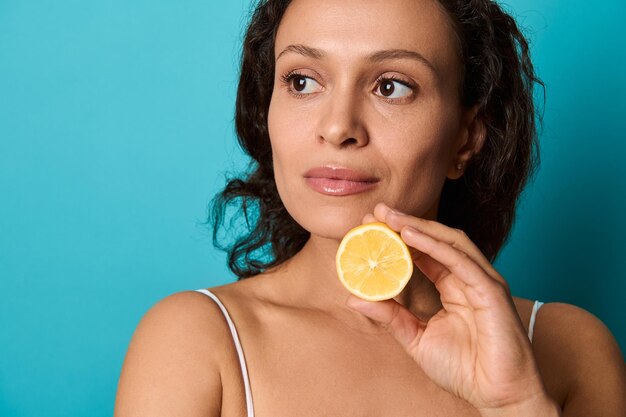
(288, 77)
(405, 83)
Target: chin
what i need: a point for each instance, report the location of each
(329, 221)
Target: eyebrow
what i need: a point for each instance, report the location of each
(302, 50)
(378, 56)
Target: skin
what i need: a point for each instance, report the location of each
(454, 342)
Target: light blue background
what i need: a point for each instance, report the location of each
(116, 130)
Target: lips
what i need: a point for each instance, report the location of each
(337, 181)
(337, 173)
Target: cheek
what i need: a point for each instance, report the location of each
(427, 151)
(424, 130)
(418, 161)
(286, 141)
(285, 127)
(290, 130)
(278, 129)
(276, 133)
(417, 177)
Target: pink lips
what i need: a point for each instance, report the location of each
(338, 181)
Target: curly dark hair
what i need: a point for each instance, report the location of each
(498, 77)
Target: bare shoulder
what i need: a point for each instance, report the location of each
(578, 354)
(172, 366)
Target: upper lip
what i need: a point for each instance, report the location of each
(340, 173)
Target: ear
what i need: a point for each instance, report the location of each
(472, 134)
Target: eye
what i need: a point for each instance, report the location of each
(392, 88)
(300, 84)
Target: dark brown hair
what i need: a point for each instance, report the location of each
(498, 77)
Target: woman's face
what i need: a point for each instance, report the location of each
(365, 109)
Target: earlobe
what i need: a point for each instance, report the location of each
(456, 171)
(472, 139)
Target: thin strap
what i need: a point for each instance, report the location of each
(242, 359)
(533, 318)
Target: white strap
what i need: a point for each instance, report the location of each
(242, 360)
(533, 318)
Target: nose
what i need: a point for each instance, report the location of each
(341, 121)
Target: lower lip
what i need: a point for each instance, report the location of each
(336, 187)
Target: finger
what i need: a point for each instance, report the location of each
(449, 290)
(397, 220)
(455, 237)
(479, 288)
(393, 317)
(368, 218)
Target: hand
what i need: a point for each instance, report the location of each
(475, 347)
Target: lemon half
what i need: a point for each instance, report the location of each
(373, 262)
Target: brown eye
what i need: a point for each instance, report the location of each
(393, 89)
(299, 83)
(387, 88)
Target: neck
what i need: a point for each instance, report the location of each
(309, 280)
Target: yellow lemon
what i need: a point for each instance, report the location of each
(373, 262)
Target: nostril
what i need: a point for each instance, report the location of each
(344, 140)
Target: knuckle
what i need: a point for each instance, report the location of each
(501, 288)
(460, 233)
(505, 286)
(463, 257)
(389, 323)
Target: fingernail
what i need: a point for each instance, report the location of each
(355, 302)
(351, 301)
(410, 231)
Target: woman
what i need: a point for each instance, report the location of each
(417, 113)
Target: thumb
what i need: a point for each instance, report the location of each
(393, 317)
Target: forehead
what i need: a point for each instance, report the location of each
(354, 28)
